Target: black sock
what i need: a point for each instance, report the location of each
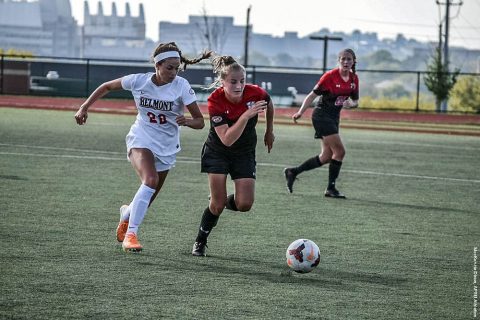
(333, 172)
(231, 205)
(209, 220)
(312, 163)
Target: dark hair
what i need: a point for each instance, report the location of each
(222, 65)
(172, 46)
(348, 50)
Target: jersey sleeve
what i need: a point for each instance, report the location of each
(128, 82)
(188, 94)
(217, 115)
(322, 86)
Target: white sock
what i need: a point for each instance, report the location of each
(126, 214)
(139, 206)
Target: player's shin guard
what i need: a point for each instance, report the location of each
(333, 172)
(209, 220)
(312, 163)
(139, 206)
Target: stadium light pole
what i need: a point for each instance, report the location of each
(325, 40)
(247, 27)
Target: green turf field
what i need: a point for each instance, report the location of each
(401, 247)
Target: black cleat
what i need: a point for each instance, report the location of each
(334, 193)
(290, 176)
(199, 249)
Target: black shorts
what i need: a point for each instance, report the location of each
(324, 125)
(237, 165)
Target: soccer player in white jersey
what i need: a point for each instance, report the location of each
(153, 140)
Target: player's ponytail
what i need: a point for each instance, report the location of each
(172, 46)
(222, 65)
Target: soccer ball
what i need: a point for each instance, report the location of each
(303, 255)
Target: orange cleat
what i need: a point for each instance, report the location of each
(122, 225)
(131, 244)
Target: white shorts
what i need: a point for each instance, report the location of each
(162, 163)
(138, 139)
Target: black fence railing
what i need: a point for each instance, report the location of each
(74, 77)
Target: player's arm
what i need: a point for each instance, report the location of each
(196, 122)
(352, 101)
(82, 113)
(228, 135)
(307, 102)
(269, 136)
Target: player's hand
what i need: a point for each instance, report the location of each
(181, 120)
(257, 108)
(81, 116)
(296, 116)
(349, 104)
(268, 139)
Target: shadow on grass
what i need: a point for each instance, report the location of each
(273, 272)
(410, 206)
(7, 177)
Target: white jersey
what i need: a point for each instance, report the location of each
(158, 106)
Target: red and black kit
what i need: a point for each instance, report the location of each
(333, 91)
(222, 112)
(238, 160)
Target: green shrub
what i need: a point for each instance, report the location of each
(401, 104)
(465, 95)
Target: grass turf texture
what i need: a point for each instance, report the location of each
(400, 247)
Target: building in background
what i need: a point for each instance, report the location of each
(114, 36)
(47, 28)
(218, 33)
(44, 27)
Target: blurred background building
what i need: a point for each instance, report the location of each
(44, 27)
(47, 28)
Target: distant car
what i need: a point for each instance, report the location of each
(52, 75)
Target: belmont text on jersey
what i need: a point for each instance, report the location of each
(156, 104)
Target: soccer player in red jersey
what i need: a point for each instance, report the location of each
(337, 88)
(230, 146)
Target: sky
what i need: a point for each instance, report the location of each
(417, 19)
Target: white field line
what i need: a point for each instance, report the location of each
(75, 150)
(192, 161)
(412, 144)
(395, 143)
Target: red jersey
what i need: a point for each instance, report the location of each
(222, 111)
(334, 91)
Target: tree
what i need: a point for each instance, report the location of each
(395, 91)
(381, 59)
(257, 58)
(284, 60)
(438, 80)
(213, 31)
(465, 95)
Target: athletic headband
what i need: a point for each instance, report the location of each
(165, 55)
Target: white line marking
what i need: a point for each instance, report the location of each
(57, 148)
(393, 143)
(73, 149)
(59, 156)
(188, 160)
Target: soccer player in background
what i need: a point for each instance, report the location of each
(153, 140)
(337, 88)
(230, 146)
